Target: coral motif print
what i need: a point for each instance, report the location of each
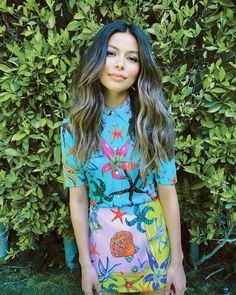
(116, 160)
(122, 245)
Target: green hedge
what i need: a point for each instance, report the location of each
(194, 43)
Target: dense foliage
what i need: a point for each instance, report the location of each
(41, 42)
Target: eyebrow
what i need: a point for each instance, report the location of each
(130, 51)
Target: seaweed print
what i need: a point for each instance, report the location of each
(93, 222)
(140, 217)
(116, 160)
(70, 172)
(160, 235)
(122, 245)
(159, 274)
(110, 288)
(140, 267)
(106, 272)
(66, 127)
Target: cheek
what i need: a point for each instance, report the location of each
(136, 72)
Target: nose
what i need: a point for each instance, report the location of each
(120, 64)
(119, 67)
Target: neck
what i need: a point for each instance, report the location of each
(113, 100)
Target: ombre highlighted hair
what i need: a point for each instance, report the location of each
(151, 124)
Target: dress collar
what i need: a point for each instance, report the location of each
(123, 110)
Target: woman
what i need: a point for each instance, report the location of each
(118, 159)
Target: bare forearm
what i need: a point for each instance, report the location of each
(79, 218)
(170, 206)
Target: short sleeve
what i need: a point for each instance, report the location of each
(74, 175)
(167, 173)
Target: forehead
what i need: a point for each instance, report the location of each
(124, 41)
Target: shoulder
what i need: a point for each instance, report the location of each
(66, 124)
(66, 120)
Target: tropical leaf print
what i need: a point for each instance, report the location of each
(116, 158)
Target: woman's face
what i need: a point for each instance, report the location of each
(122, 66)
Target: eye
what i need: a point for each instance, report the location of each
(111, 53)
(133, 59)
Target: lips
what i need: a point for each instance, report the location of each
(117, 76)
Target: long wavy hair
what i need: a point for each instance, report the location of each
(151, 125)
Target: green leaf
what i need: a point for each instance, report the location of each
(79, 16)
(63, 65)
(214, 109)
(73, 25)
(4, 96)
(211, 48)
(49, 70)
(11, 152)
(218, 90)
(5, 68)
(18, 197)
(57, 154)
(190, 169)
(221, 74)
(51, 21)
(18, 136)
(182, 70)
(39, 193)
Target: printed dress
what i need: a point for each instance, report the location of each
(129, 245)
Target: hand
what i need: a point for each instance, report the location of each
(90, 283)
(176, 280)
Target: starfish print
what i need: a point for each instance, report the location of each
(116, 160)
(119, 215)
(140, 218)
(100, 191)
(71, 150)
(106, 272)
(160, 234)
(116, 133)
(154, 198)
(158, 273)
(132, 188)
(94, 251)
